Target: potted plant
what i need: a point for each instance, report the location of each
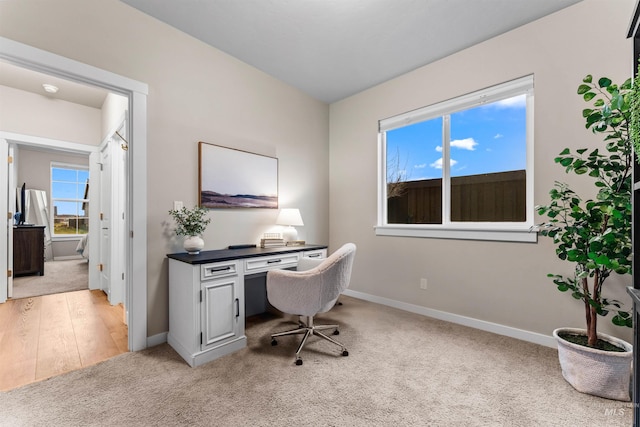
(191, 223)
(594, 235)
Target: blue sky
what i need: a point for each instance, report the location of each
(485, 139)
(68, 184)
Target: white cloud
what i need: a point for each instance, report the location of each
(465, 144)
(498, 135)
(421, 166)
(438, 163)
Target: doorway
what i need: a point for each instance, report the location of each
(136, 92)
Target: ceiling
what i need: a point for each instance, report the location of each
(332, 49)
(32, 81)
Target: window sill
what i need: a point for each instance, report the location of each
(524, 235)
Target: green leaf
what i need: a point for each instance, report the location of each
(589, 96)
(604, 82)
(588, 78)
(582, 89)
(566, 161)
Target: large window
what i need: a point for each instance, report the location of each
(70, 199)
(462, 168)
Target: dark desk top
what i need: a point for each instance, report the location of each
(29, 226)
(205, 257)
(635, 296)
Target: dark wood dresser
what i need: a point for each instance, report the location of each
(28, 250)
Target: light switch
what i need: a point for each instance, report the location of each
(177, 205)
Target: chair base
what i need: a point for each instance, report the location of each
(308, 329)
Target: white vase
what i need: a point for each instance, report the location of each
(600, 373)
(193, 244)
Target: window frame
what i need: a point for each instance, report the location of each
(61, 165)
(497, 231)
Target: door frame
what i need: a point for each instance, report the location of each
(136, 92)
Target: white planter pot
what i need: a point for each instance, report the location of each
(600, 373)
(193, 244)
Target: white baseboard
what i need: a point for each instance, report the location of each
(533, 337)
(157, 339)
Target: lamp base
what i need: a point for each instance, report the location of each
(289, 234)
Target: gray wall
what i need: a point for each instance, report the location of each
(503, 283)
(327, 155)
(196, 93)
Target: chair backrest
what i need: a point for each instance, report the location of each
(336, 272)
(315, 290)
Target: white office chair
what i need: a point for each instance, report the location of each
(313, 289)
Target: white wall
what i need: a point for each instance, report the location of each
(497, 282)
(196, 93)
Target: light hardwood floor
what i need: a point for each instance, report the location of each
(44, 336)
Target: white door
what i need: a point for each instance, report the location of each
(5, 261)
(104, 263)
(112, 220)
(118, 223)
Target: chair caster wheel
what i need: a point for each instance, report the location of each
(336, 332)
(298, 362)
(274, 342)
(345, 353)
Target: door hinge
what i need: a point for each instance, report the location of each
(200, 338)
(132, 234)
(10, 159)
(201, 295)
(100, 267)
(9, 215)
(122, 276)
(9, 273)
(101, 216)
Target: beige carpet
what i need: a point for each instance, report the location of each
(59, 276)
(403, 370)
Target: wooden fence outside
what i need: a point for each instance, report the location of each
(493, 197)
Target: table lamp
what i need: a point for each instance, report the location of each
(289, 218)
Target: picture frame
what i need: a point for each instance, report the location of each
(229, 178)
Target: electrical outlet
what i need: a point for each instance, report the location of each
(177, 205)
(423, 283)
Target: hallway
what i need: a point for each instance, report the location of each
(44, 336)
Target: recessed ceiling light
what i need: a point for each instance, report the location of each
(50, 88)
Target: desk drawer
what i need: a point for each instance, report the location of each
(317, 254)
(219, 269)
(255, 265)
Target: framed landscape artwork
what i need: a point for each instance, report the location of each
(232, 178)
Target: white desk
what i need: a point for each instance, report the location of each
(207, 296)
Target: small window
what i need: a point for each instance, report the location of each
(462, 168)
(70, 199)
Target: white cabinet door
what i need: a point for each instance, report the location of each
(221, 311)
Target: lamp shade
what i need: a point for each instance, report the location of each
(289, 217)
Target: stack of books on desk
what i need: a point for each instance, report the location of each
(296, 243)
(271, 242)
